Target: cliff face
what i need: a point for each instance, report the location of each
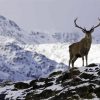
(78, 83)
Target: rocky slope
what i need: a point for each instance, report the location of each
(77, 84)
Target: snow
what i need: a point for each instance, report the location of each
(17, 63)
(2, 89)
(11, 94)
(15, 94)
(60, 52)
(40, 83)
(54, 87)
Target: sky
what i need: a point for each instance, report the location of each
(51, 15)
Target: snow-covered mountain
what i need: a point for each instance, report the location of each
(17, 63)
(49, 38)
(11, 29)
(53, 38)
(24, 55)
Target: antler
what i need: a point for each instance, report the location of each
(77, 25)
(96, 25)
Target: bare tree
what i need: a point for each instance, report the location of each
(81, 48)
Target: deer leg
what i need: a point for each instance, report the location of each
(73, 60)
(83, 60)
(70, 60)
(86, 59)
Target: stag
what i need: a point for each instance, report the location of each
(81, 48)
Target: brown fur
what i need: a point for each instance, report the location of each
(81, 48)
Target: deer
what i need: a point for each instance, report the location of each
(81, 49)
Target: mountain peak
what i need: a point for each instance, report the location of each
(2, 17)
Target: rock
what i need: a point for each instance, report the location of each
(43, 95)
(42, 79)
(97, 92)
(74, 72)
(47, 93)
(76, 81)
(87, 76)
(55, 74)
(92, 65)
(98, 73)
(85, 92)
(33, 82)
(2, 96)
(49, 80)
(48, 84)
(65, 76)
(21, 85)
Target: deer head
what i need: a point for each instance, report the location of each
(87, 32)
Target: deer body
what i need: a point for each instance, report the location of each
(81, 48)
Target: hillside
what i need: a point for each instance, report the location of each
(79, 84)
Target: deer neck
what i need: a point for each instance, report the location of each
(88, 38)
(88, 41)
